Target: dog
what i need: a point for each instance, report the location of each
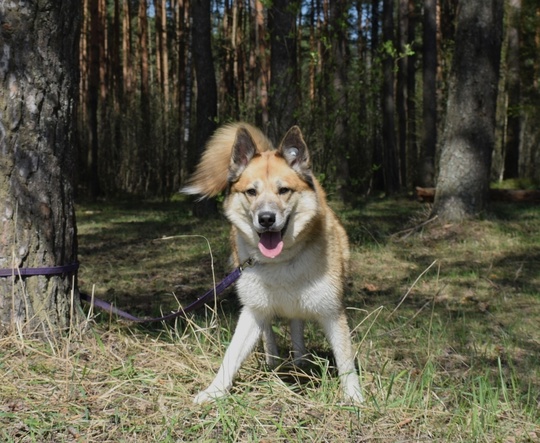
(282, 223)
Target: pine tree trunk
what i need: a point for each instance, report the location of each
(412, 147)
(37, 224)
(426, 174)
(206, 92)
(388, 105)
(513, 124)
(127, 74)
(206, 78)
(162, 53)
(468, 140)
(337, 92)
(401, 87)
(92, 101)
(262, 62)
(283, 81)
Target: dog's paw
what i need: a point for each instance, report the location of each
(272, 361)
(303, 360)
(208, 396)
(353, 396)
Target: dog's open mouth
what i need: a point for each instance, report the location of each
(270, 243)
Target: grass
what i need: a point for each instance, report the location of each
(445, 319)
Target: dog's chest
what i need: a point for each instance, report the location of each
(293, 291)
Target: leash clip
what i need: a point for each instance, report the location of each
(247, 264)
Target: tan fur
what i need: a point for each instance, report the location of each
(272, 194)
(210, 177)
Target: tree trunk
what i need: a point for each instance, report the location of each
(426, 175)
(468, 140)
(283, 81)
(377, 179)
(401, 86)
(127, 74)
(513, 124)
(37, 99)
(529, 72)
(337, 94)
(206, 91)
(96, 35)
(116, 70)
(145, 125)
(162, 53)
(390, 154)
(261, 58)
(412, 147)
(144, 58)
(205, 76)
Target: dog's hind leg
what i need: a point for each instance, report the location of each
(297, 339)
(270, 346)
(338, 335)
(247, 334)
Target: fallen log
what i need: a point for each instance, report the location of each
(506, 195)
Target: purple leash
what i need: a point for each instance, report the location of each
(208, 296)
(73, 267)
(50, 270)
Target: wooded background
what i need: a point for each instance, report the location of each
(367, 81)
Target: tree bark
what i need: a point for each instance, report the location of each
(513, 124)
(162, 52)
(284, 94)
(261, 64)
(206, 92)
(401, 87)
(468, 140)
(337, 94)
(94, 82)
(144, 58)
(390, 153)
(426, 175)
(127, 69)
(412, 146)
(38, 75)
(377, 179)
(205, 77)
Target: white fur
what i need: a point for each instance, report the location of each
(273, 288)
(305, 280)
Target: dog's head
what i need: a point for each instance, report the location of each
(271, 193)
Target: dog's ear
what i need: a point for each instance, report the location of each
(244, 149)
(294, 150)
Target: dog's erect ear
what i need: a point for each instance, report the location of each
(244, 149)
(294, 150)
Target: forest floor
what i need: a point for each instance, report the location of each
(445, 318)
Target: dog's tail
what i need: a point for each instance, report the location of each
(210, 176)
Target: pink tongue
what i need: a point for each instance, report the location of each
(270, 244)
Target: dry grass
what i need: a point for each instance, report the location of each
(446, 323)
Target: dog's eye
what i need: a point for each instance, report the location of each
(282, 191)
(252, 192)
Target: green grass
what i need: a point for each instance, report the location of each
(445, 319)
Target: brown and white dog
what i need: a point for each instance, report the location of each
(281, 221)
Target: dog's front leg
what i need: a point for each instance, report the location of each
(247, 334)
(338, 335)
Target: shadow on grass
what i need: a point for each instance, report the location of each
(479, 304)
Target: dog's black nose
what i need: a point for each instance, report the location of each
(267, 219)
